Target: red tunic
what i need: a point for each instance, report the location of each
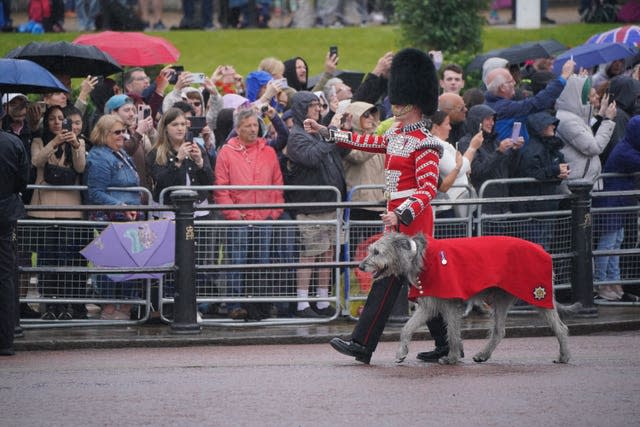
(411, 169)
(460, 268)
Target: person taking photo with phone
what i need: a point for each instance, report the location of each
(139, 134)
(501, 93)
(177, 160)
(59, 157)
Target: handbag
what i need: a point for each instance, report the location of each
(59, 175)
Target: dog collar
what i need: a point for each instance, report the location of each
(414, 247)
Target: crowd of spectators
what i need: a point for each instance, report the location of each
(231, 129)
(91, 15)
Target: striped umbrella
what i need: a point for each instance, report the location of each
(629, 35)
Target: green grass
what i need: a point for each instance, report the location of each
(359, 48)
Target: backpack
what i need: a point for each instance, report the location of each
(118, 17)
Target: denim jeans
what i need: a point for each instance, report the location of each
(87, 10)
(61, 248)
(284, 251)
(189, 10)
(246, 244)
(608, 267)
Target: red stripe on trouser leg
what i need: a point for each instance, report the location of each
(379, 310)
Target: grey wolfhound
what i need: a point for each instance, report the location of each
(445, 273)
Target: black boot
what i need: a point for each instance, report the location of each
(438, 331)
(351, 348)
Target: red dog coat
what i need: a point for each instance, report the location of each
(460, 268)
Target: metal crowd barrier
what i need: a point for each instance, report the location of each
(205, 270)
(270, 282)
(52, 272)
(627, 258)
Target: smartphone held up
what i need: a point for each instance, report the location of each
(515, 131)
(144, 111)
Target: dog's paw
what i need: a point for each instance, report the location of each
(480, 357)
(446, 360)
(562, 359)
(401, 354)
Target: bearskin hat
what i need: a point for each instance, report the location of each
(413, 81)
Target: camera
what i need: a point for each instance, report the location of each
(196, 124)
(177, 70)
(66, 125)
(333, 50)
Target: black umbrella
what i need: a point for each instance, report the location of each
(350, 78)
(66, 58)
(520, 53)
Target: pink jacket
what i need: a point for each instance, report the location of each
(256, 164)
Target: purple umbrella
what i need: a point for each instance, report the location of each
(133, 244)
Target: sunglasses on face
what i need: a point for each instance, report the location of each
(197, 104)
(367, 114)
(118, 131)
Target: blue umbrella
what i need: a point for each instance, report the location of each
(21, 75)
(590, 55)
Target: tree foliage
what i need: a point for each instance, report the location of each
(447, 25)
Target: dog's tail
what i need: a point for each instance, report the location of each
(569, 309)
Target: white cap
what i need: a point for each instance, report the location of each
(7, 97)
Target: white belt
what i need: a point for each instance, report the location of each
(402, 194)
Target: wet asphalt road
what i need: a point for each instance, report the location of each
(311, 385)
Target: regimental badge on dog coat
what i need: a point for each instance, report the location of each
(461, 268)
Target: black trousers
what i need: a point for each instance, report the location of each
(8, 277)
(376, 311)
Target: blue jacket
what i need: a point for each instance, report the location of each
(509, 111)
(106, 169)
(624, 158)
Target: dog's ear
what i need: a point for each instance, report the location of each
(407, 244)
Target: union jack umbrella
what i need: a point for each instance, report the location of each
(629, 35)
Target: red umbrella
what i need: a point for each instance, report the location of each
(132, 49)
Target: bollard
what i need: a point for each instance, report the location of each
(527, 14)
(185, 307)
(582, 266)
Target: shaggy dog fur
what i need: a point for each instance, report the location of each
(396, 254)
